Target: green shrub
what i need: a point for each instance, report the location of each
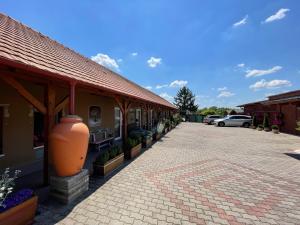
(254, 121)
(113, 152)
(266, 121)
(167, 123)
(103, 158)
(298, 126)
(132, 142)
(275, 127)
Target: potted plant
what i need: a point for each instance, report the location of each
(266, 122)
(275, 129)
(17, 207)
(298, 126)
(260, 127)
(254, 122)
(147, 139)
(167, 125)
(159, 130)
(108, 160)
(133, 147)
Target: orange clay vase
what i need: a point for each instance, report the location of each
(68, 144)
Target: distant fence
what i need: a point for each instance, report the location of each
(195, 118)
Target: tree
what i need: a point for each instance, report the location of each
(185, 101)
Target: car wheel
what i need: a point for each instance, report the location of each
(221, 124)
(246, 125)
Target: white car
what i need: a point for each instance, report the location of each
(234, 121)
(210, 118)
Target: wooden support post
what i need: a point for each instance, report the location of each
(72, 98)
(24, 93)
(62, 104)
(48, 125)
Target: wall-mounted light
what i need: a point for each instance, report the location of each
(31, 111)
(5, 110)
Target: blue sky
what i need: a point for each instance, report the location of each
(227, 52)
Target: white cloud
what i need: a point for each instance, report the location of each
(161, 86)
(257, 73)
(167, 97)
(120, 60)
(148, 87)
(173, 84)
(225, 94)
(134, 54)
(222, 89)
(178, 83)
(241, 22)
(241, 65)
(280, 14)
(154, 62)
(270, 84)
(106, 61)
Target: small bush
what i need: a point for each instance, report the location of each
(132, 142)
(254, 121)
(275, 127)
(113, 152)
(103, 158)
(266, 121)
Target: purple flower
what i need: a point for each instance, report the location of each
(16, 198)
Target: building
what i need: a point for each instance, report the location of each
(41, 80)
(283, 110)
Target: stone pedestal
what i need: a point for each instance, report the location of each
(67, 189)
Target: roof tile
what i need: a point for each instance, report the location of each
(21, 44)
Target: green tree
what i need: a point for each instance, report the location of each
(185, 101)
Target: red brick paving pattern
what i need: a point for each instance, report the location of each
(196, 175)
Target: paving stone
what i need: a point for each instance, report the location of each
(196, 174)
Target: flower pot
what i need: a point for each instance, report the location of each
(146, 142)
(259, 128)
(22, 214)
(68, 144)
(158, 136)
(135, 151)
(111, 165)
(275, 131)
(266, 129)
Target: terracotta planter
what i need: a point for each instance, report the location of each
(111, 165)
(157, 137)
(266, 129)
(146, 143)
(275, 131)
(135, 151)
(22, 214)
(68, 144)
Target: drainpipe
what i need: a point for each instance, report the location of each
(72, 98)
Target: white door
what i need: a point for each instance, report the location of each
(118, 123)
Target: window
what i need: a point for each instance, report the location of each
(131, 116)
(1, 129)
(94, 116)
(118, 123)
(138, 117)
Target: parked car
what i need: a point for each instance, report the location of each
(234, 121)
(210, 118)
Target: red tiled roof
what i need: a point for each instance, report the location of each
(24, 46)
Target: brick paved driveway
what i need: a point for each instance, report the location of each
(197, 174)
